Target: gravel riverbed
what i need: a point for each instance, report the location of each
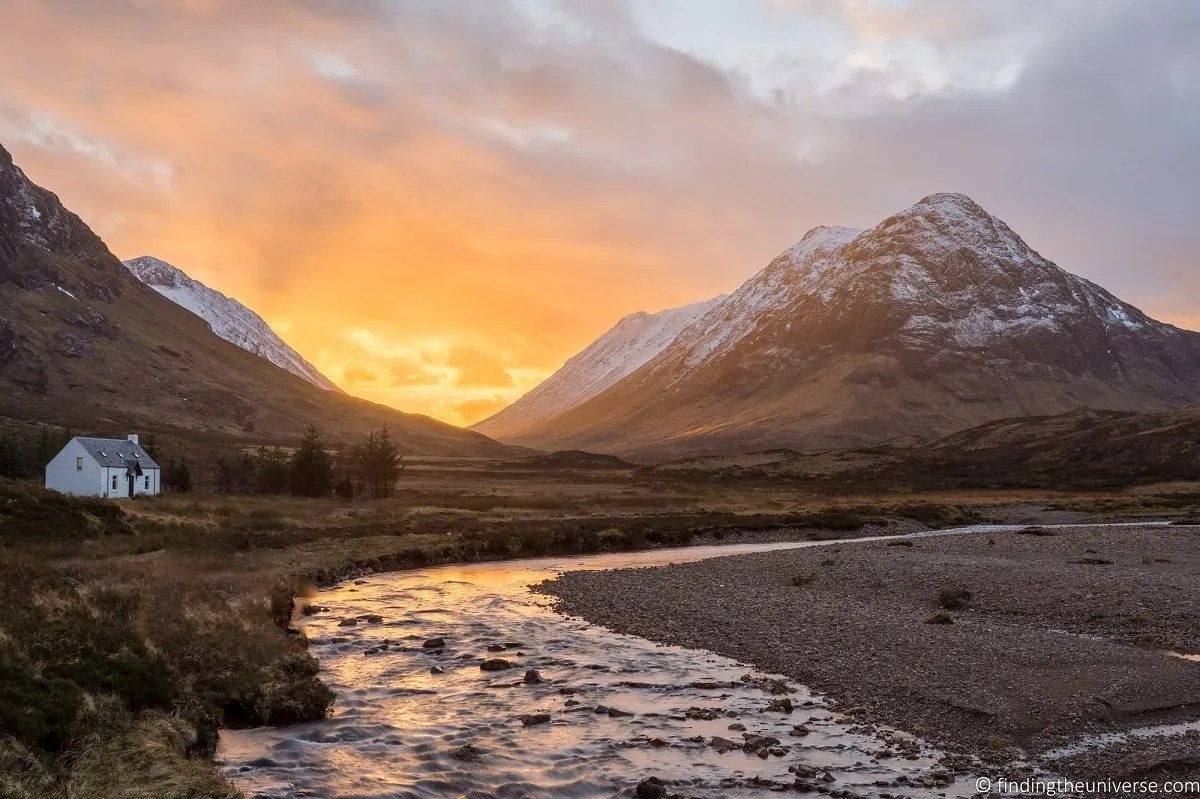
(1054, 633)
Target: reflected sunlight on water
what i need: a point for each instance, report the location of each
(398, 729)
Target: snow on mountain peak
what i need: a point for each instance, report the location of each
(227, 317)
(623, 349)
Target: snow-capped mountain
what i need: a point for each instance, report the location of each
(938, 318)
(84, 344)
(623, 349)
(227, 317)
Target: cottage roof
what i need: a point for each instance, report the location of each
(116, 452)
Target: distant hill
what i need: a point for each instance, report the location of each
(576, 459)
(83, 343)
(1081, 449)
(937, 319)
(227, 317)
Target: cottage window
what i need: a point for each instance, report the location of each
(147, 482)
(114, 482)
(79, 464)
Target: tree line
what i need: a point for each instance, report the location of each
(24, 453)
(369, 469)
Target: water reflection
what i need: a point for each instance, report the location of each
(621, 708)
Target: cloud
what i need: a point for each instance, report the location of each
(473, 411)
(359, 375)
(407, 373)
(478, 369)
(478, 190)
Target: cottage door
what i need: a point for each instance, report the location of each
(131, 478)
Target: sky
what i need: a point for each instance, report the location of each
(439, 202)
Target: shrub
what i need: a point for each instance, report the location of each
(36, 711)
(954, 598)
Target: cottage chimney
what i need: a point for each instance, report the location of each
(133, 439)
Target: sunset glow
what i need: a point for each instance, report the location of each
(438, 203)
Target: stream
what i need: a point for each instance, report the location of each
(620, 708)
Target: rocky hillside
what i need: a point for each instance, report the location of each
(84, 344)
(937, 319)
(227, 317)
(626, 347)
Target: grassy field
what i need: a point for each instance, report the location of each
(131, 631)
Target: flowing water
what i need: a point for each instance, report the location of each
(398, 729)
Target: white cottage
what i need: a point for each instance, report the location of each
(104, 467)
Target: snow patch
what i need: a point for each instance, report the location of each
(226, 317)
(64, 291)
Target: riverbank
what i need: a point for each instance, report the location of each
(192, 595)
(988, 643)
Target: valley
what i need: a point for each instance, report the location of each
(599, 400)
(235, 563)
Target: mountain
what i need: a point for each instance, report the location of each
(626, 347)
(227, 317)
(937, 319)
(83, 343)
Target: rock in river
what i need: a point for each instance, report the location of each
(651, 788)
(495, 664)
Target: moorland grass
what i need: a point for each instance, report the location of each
(131, 631)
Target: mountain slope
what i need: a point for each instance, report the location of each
(937, 319)
(227, 317)
(1082, 449)
(623, 349)
(83, 343)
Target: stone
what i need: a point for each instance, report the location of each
(534, 719)
(722, 745)
(651, 788)
(532, 677)
(434, 643)
(495, 664)
(467, 752)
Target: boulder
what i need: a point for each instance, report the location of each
(651, 788)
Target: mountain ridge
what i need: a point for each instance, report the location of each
(936, 319)
(228, 318)
(623, 348)
(85, 344)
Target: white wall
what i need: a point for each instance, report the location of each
(62, 475)
(94, 480)
(139, 483)
(139, 486)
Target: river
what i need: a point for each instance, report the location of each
(398, 730)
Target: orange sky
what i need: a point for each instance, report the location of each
(439, 203)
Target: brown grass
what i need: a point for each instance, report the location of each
(206, 581)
